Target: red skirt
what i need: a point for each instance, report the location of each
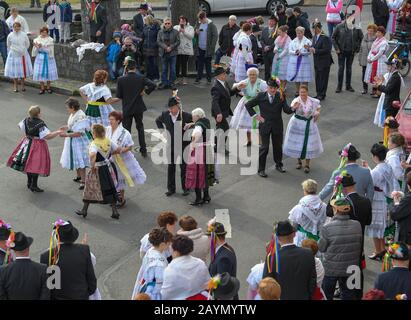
(31, 156)
(196, 170)
(318, 294)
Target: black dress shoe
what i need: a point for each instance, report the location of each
(196, 203)
(115, 216)
(144, 154)
(321, 98)
(338, 90)
(169, 193)
(36, 189)
(350, 89)
(206, 199)
(262, 174)
(186, 192)
(280, 169)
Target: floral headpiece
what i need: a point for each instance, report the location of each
(340, 202)
(54, 248)
(10, 241)
(5, 225)
(396, 251)
(401, 297)
(344, 156)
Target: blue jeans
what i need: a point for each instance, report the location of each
(3, 51)
(112, 70)
(330, 283)
(152, 68)
(218, 54)
(55, 32)
(168, 66)
(331, 27)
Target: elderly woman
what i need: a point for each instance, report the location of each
(98, 99)
(309, 214)
(365, 48)
(75, 155)
(280, 61)
(249, 90)
(150, 47)
(45, 68)
(244, 54)
(302, 139)
(200, 168)
(299, 65)
(129, 172)
(189, 228)
(18, 64)
(186, 277)
(101, 180)
(376, 66)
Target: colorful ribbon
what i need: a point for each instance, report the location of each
(306, 134)
(374, 68)
(299, 60)
(45, 68)
(277, 64)
(123, 169)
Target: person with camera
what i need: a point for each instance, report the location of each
(185, 49)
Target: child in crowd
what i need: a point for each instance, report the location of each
(113, 52)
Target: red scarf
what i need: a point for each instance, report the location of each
(92, 9)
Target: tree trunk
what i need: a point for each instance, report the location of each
(113, 18)
(187, 8)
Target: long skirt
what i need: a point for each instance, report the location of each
(129, 171)
(302, 139)
(280, 66)
(75, 153)
(18, 66)
(241, 119)
(303, 73)
(377, 68)
(100, 187)
(45, 69)
(240, 70)
(392, 22)
(99, 114)
(379, 217)
(379, 116)
(199, 173)
(31, 156)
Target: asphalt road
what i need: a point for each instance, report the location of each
(253, 203)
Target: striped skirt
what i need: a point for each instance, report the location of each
(280, 66)
(99, 114)
(18, 66)
(45, 68)
(304, 72)
(75, 153)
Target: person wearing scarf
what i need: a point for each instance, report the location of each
(98, 21)
(45, 68)
(376, 59)
(101, 180)
(280, 61)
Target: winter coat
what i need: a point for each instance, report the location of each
(212, 38)
(150, 45)
(201, 243)
(365, 50)
(186, 40)
(66, 12)
(168, 38)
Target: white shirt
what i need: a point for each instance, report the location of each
(218, 248)
(23, 258)
(173, 118)
(222, 83)
(287, 245)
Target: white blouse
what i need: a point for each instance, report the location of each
(18, 43)
(47, 45)
(95, 93)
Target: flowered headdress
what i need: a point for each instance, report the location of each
(273, 253)
(54, 248)
(344, 156)
(213, 284)
(395, 251)
(9, 242)
(214, 230)
(339, 201)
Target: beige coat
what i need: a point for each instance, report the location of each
(201, 243)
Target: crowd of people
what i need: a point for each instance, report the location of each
(311, 255)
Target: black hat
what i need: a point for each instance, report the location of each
(393, 61)
(131, 64)
(284, 228)
(227, 288)
(143, 6)
(353, 153)
(21, 242)
(217, 228)
(219, 70)
(67, 232)
(172, 102)
(273, 83)
(5, 230)
(347, 180)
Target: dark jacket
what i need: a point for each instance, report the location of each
(322, 55)
(138, 24)
(24, 280)
(282, 19)
(101, 23)
(393, 282)
(4, 10)
(254, 42)
(2, 256)
(225, 261)
(47, 15)
(380, 12)
(272, 113)
(340, 34)
(302, 21)
(125, 52)
(225, 38)
(149, 36)
(212, 38)
(66, 12)
(403, 25)
(4, 31)
(391, 90)
(221, 99)
(129, 89)
(168, 38)
(297, 274)
(402, 214)
(78, 280)
(361, 210)
(292, 25)
(267, 41)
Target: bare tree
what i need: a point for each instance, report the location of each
(187, 8)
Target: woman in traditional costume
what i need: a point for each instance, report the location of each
(186, 277)
(249, 90)
(384, 185)
(254, 278)
(45, 68)
(395, 154)
(376, 66)
(75, 152)
(394, 6)
(244, 54)
(150, 276)
(309, 215)
(32, 155)
(129, 172)
(299, 68)
(98, 99)
(200, 169)
(280, 61)
(302, 138)
(101, 180)
(18, 64)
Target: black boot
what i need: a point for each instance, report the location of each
(198, 201)
(206, 198)
(115, 214)
(34, 187)
(83, 211)
(29, 180)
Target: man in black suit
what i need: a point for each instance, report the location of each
(321, 50)
(268, 36)
(78, 280)
(174, 121)
(380, 12)
(98, 22)
(5, 229)
(392, 89)
(272, 103)
(130, 89)
(23, 279)
(138, 20)
(224, 259)
(297, 275)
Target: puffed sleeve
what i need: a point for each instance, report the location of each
(43, 132)
(128, 140)
(106, 93)
(92, 148)
(21, 126)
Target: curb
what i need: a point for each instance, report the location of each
(127, 9)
